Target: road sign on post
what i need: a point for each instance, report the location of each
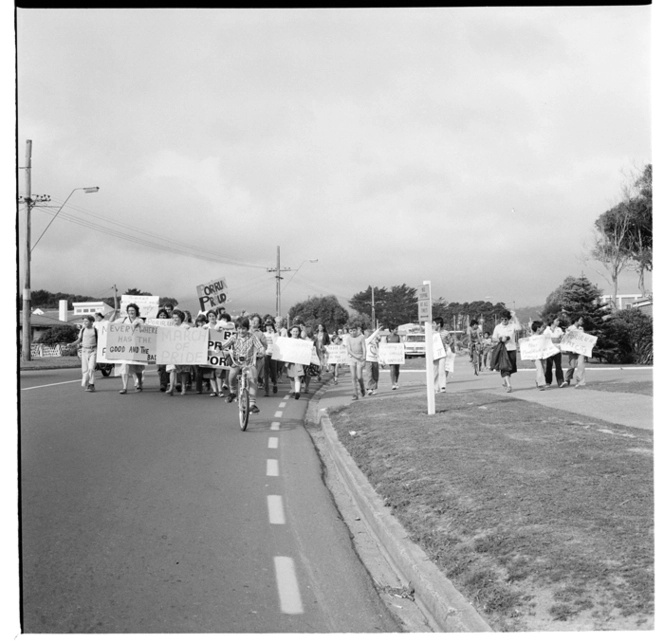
(424, 302)
(424, 307)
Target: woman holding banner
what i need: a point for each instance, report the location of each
(178, 372)
(216, 374)
(321, 340)
(125, 369)
(393, 338)
(295, 372)
(577, 362)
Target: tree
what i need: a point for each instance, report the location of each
(576, 297)
(164, 301)
(320, 310)
(58, 335)
(137, 292)
(392, 307)
(611, 234)
(623, 234)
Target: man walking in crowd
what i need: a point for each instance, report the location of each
(393, 338)
(357, 355)
(87, 339)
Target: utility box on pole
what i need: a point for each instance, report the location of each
(425, 316)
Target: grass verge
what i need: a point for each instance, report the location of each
(542, 519)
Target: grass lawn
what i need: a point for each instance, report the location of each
(543, 519)
(71, 361)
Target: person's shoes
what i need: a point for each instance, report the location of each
(213, 394)
(87, 388)
(169, 391)
(548, 385)
(564, 384)
(274, 389)
(370, 392)
(254, 409)
(541, 388)
(123, 391)
(297, 396)
(178, 387)
(162, 388)
(394, 387)
(231, 397)
(183, 391)
(139, 389)
(580, 386)
(224, 386)
(362, 388)
(354, 397)
(509, 389)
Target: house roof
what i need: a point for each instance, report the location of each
(43, 321)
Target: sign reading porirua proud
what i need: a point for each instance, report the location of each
(212, 294)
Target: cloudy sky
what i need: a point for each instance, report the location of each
(471, 147)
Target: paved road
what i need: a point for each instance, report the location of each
(148, 513)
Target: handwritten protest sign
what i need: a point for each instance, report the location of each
(537, 347)
(148, 305)
(576, 341)
(160, 322)
(177, 345)
(391, 353)
(372, 351)
(295, 351)
(217, 358)
(213, 293)
(130, 344)
(102, 336)
(314, 356)
(449, 362)
(439, 349)
(337, 354)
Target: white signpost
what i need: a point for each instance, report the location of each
(424, 316)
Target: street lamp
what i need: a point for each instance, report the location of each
(86, 190)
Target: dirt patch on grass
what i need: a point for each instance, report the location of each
(542, 521)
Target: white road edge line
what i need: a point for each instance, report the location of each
(289, 592)
(272, 468)
(275, 510)
(273, 443)
(29, 388)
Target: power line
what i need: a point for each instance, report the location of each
(193, 251)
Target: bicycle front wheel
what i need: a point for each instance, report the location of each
(243, 408)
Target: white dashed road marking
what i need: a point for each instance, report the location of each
(289, 592)
(282, 405)
(273, 443)
(278, 414)
(275, 509)
(272, 468)
(275, 426)
(29, 388)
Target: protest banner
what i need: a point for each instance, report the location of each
(439, 350)
(314, 356)
(337, 354)
(391, 353)
(449, 362)
(212, 294)
(576, 341)
(148, 305)
(160, 322)
(291, 350)
(178, 345)
(130, 344)
(537, 347)
(372, 351)
(217, 358)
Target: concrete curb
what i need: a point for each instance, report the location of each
(446, 608)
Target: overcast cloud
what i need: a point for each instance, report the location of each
(471, 147)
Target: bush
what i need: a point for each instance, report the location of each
(626, 338)
(58, 335)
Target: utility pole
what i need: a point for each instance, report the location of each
(373, 308)
(115, 297)
(278, 270)
(27, 295)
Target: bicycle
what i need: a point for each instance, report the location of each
(242, 388)
(476, 356)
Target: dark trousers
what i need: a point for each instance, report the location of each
(548, 374)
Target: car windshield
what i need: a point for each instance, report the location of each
(415, 338)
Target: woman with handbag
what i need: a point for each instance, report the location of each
(503, 358)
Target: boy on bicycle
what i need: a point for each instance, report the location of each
(246, 348)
